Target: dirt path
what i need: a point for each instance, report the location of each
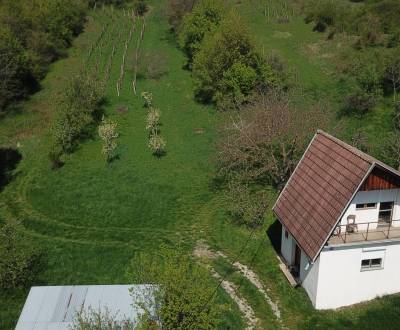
(244, 306)
(202, 250)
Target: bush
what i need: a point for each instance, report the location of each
(20, 258)
(228, 68)
(140, 7)
(359, 103)
(182, 300)
(325, 13)
(396, 106)
(205, 17)
(245, 207)
(153, 121)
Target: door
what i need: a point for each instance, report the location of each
(385, 213)
(297, 257)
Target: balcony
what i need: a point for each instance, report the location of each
(365, 231)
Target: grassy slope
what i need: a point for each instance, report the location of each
(92, 220)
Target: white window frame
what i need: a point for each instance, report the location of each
(365, 207)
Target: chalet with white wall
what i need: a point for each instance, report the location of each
(340, 216)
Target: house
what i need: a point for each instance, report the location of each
(55, 307)
(340, 216)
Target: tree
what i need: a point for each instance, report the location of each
(14, 68)
(204, 18)
(228, 68)
(20, 258)
(157, 144)
(153, 121)
(392, 71)
(390, 152)
(264, 142)
(107, 132)
(183, 293)
(79, 109)
(140, 7)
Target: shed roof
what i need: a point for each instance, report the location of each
(320, 190)
(55, 307)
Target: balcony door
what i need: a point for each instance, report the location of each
(385, 213)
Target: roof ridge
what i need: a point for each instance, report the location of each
(352, 149)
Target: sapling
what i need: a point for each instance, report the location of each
(157, 145)
(107, 132)
(148, 99)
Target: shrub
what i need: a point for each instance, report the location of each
(245, 207)
(20, 258)
(107, 132)
(325, 13)
(140, 7)
(359, 103)
(148, 99)
(204, 18)
(396, 106)
(228, 68)
(157, 145)
(153, 66)
(182, 300)
(100, 320)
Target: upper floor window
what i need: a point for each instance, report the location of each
(369, 264)
(365, 206)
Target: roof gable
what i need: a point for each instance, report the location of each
(320, 189)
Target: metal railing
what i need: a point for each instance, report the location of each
(364, 231)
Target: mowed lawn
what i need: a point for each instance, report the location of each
(93, 220)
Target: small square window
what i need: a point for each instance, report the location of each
(376, 262)
(369, 264)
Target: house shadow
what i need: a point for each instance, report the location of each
(274, 233)
(9, 159)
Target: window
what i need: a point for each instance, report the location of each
(286, 234)
(365, 206)
(369, 264)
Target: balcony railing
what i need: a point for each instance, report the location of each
(365, 231)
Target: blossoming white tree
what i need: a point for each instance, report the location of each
(107, 132)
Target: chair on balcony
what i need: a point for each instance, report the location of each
(351, 226)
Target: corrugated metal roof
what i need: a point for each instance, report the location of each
(54, 307)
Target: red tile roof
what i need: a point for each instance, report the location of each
(320, 189)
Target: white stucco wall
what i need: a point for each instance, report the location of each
(371, 215)
(309, 276)
(338, 280)
(287, 247)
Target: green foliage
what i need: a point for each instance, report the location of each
(228, 67)
(109, 135)
(79, 110)
(14, 72)
(20, 258)
(99, 320)
(184, 290)
(359, 103)
(246, 207)
(204, 18)
(32, 35)
(153, 121)
(140, 7)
